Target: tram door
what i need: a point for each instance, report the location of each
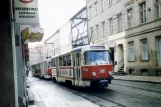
(76, 65)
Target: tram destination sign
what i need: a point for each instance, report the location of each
(26, 11)
(97, 47)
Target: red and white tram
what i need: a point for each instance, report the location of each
(84, 66)
(40, 69)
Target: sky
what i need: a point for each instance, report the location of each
(54, 13)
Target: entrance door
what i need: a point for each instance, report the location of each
(159, 51)
(112, 55)
(76, 65)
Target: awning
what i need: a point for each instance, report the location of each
(31, 33)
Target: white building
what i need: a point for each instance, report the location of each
(36, 54)
(106, 25)
(65, 38)
(59, 42)
(52, 45)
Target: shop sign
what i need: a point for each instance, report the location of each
(26, 11)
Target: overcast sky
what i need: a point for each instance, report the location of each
(54, 13)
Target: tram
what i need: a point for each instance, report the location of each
(86, 66)
(40, 69)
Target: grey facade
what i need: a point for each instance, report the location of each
(143, 37)
(106, 25)
(131, 29)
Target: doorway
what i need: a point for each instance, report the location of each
(112, 55)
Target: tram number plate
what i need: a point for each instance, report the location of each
(102, 70)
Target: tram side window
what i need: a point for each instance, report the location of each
(60, 61)
(65, 61)
(54, 62)
(68, 60)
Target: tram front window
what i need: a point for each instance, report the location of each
(96, 57)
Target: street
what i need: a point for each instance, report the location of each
(118, 94)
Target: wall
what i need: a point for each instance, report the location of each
(150, 31)
(52, 44)
(7, 90)
(65, 38)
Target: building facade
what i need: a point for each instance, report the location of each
(143, 36)
(36, 54)
(106, 25)
(52, 45)
(59, 42)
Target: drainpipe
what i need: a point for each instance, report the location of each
(14, 53)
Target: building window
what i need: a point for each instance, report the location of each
(97, 32)
(129, 17)
(96, 7)
(143, 16)
(90, 11)
(91, 32)
(131, 53)
(102, 2)
(144, 49)
(111, 25)
(119, 23)
(103, 29)
(158, 8)
(110, 2)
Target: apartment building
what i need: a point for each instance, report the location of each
(143, 36)
(106, 25)
(52, 45)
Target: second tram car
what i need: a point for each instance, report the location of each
(84, 66)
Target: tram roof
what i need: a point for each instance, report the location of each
(75, 50)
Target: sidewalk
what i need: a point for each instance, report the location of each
(150, 79)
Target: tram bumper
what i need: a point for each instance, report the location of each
(103, 83)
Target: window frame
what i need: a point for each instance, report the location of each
(103, 4)
(97, 28)
(90, 11)
(129, 22)
(109, 3)
(132, 47)
(143, 12)
(96, 7)
(103, 29)
(111, 25)
(158, 13)
(141, 50)
(119, 22)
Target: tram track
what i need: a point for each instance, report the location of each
(86, 93)
(95, 94)
(138, 88)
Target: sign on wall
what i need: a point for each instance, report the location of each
(26, 11)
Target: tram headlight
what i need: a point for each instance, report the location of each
(110, 73)
(94, 74)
